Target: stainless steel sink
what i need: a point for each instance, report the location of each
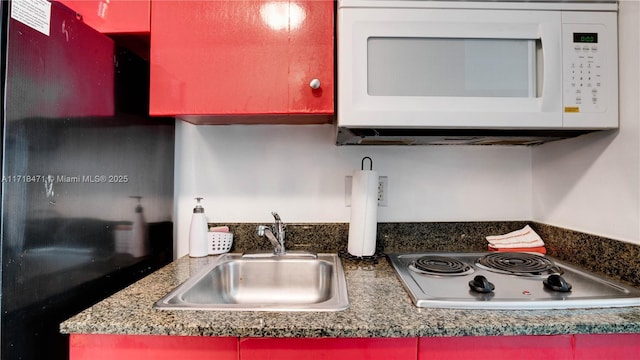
(263, 283)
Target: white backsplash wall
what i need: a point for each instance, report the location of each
(245, 172)
(592, 184)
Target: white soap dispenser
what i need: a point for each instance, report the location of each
(198, 232)
(140, 241)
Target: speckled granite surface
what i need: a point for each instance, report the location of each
(379, 306)
(611, 258)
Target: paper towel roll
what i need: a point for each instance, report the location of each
(364, 213)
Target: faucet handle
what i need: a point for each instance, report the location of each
(260, 230)
(279, 225)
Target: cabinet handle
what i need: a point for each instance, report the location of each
(315, 84)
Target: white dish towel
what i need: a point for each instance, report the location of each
(523, 238)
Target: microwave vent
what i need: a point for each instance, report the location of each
(381, 136)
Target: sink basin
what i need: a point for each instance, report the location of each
(266, 283)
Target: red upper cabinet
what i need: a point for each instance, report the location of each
(311, 57)
(249, 58)
(113, 16)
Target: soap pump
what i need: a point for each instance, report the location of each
(140, 240)
(198, 232)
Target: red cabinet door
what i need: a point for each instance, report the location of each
(139, 347)
(113, 16)
(250, 57)
(496, 347)
(607, 346)
(311, 57)
(328, 348)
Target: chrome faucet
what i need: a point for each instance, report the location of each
(275, 233)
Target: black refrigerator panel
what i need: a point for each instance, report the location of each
(87, 178)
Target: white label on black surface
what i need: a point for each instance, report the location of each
(34, 13)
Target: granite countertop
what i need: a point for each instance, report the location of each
(378, 307)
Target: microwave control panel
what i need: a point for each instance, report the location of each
(584, 78)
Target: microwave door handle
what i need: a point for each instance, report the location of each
(533, 68)
(550, 67)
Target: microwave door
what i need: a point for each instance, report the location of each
(454, 68)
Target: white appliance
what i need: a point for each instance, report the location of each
(469, 71)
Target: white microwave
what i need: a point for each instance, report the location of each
(523, 68)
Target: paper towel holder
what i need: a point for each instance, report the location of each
(370, 163)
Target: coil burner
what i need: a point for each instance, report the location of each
(440, 265)
(515, 263)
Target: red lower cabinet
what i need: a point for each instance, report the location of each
(138, 347)
(607, 346)
(141, 347)
(496, 347)
(325, 349)
(578, 347)
(133, 347)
